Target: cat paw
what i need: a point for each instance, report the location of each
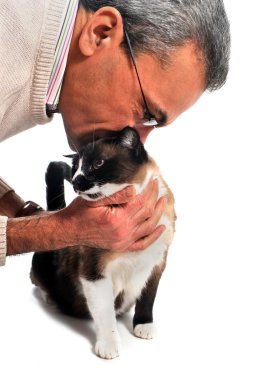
(145, 331)
(107, 348)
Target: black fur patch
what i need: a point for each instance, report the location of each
(122, 155)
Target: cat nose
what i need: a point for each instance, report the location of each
(79, 183)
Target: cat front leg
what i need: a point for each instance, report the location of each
(143, 318)
(100, 301)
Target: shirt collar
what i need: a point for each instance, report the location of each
(60, 57)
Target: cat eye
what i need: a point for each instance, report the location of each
(149, 119)
(97, 164)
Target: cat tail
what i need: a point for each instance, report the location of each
(56, 173)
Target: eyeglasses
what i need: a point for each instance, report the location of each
(151, 120)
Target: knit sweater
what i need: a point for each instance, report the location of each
(28, 35)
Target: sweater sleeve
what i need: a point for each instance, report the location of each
(4, 188)
(3, 224)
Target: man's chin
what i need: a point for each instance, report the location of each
(144, 132)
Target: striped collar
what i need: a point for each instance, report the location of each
(60, 57)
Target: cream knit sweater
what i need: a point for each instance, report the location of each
(28, 35)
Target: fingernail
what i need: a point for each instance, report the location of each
(154, 181)
(161, 228)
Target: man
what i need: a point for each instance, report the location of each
(76, 58)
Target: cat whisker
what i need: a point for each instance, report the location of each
(93, 139)
(72, 142)
(58, 196)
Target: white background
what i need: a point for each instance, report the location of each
(203, 310)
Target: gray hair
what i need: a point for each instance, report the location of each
(158, 27)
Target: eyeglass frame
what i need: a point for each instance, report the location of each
(152, 122)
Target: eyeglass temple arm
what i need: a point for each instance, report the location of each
(135, 66)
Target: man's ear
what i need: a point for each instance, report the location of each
(104, 28)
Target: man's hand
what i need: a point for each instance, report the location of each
(121, 222)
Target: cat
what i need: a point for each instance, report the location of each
(89, 282)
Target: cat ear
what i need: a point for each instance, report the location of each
(129, 138)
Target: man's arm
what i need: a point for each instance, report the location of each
(35, 233)
(133, 225)
(10, 204)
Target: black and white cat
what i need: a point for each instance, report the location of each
(90, 282)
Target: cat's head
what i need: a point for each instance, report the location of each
(107, 165)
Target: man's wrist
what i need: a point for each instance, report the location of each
(45, 231)
(29, 208)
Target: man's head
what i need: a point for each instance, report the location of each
(181, 48)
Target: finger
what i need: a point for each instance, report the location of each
(152, 185)
(145, 242)
(121, 197)
(148, 226)
(143, 206)
(151, 193)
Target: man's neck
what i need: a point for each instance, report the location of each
(70, 94)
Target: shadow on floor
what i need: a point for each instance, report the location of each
(84, 327)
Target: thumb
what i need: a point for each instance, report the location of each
(121, 197)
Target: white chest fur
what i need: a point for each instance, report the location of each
(128, 273)
(131, 270)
